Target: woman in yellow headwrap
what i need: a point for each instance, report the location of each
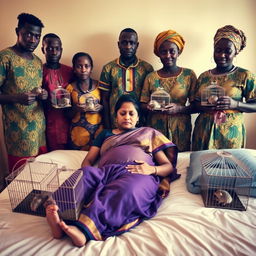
(174, 119)
(220, 123)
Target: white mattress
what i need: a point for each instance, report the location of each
(182, 226)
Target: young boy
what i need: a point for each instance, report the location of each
(55, 74)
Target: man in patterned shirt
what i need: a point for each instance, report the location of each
(21, 93)
(124, 75)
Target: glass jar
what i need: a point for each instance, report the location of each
(159, 99)
(88, 101)
(211, 94)
(60, 98)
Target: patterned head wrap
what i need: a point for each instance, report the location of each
(169, 35)
(233, 34)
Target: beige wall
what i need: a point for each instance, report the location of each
(93, 26)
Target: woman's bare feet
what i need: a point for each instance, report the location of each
(77, 237)
(59, 227)
(53, 220)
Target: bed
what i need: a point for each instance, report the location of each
(182, 226)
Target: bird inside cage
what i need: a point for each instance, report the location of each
(225, 181)
(39, 199)
(211, 94)
(88, 101)
(159, 99)
(28, 186)
(60, 98)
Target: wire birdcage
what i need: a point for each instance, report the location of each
(28, 186)
(225, 181)
(68, 193)
(159, 99)
(211, 94)
(35, 183)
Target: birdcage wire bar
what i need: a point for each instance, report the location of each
(211, 94)
(223, 176)
(159, 99)
(29, 180)
(69, 195)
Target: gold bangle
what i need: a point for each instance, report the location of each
(155, 170)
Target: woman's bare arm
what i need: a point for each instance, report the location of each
(163, 168)
(91, 157)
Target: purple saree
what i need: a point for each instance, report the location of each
(117, 200)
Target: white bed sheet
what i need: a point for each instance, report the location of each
(182, 226)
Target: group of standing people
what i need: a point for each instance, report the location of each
(122, 191)
(26, 87)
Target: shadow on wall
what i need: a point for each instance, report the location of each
(103, 48)
(146, 50)
(99, 46)
(249, 120)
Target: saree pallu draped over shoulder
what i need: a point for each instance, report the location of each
(148, 140)
(117, 200)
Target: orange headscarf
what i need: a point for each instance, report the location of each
(169, 35)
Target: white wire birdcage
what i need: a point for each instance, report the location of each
(34, 183)
(159, 99)
(225, 181)
(28, 186)
(211, 94)
(68, 193)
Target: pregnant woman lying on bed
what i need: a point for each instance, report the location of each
(133, 175)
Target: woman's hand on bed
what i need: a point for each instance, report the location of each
(141, 167)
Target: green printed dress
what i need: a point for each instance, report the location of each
(239, 85)
(24, 126)
(176, 127)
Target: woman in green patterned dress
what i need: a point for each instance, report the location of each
(174, 120)
(220, 123)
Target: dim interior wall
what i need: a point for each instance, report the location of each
(3, 158)
(94, 26)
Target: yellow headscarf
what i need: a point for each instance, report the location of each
(169, 35)
(231, 33)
